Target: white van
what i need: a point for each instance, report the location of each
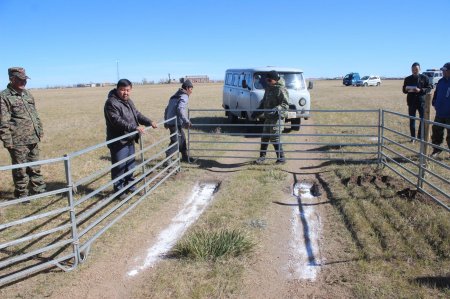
(244, 89)
(434, 75)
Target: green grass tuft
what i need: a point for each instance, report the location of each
(206, 245)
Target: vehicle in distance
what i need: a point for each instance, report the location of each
(434, 75)
(369, 81)
(244, 89)
(350, 79)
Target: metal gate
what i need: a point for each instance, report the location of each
(57, 228)
(334, 137)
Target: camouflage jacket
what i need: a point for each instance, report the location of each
(19, 121)
(275, 96)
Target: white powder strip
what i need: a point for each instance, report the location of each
(191, 211)
(304, 262)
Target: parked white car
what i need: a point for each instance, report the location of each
(369, 81)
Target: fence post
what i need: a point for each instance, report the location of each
(73, 219)
(279, 132)
(141, 147)
(380, 133)
(421, 158)
(426, 120)
(425, 133)
(188, 137)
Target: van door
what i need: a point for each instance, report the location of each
(226, 97)
(234, 94)
(244, 95)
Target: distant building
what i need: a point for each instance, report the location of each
(197, 78)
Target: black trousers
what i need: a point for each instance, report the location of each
(118, 153)
(437, 136)
(180, 137)
(412, 109)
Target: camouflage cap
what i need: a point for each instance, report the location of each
(18, 72)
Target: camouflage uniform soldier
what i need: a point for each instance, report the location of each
(21, 131)
(276, 98)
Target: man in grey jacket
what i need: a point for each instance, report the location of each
(177, 106)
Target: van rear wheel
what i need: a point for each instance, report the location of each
(232, 118)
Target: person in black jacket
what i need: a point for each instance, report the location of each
(122, 118)
(416, 86)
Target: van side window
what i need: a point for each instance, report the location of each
(241, 77)
(248, 78)
(235, 79)
(229, 79)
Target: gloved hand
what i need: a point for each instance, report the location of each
(273, 113)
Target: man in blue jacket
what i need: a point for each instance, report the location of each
(441, 102)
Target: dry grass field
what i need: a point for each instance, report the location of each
(379, 240)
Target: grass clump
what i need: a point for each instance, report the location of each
(211, 245)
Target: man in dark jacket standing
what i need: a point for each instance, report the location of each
(21, 131)
(441, 102)
(416, 87)
(177, 106)
(122, 118)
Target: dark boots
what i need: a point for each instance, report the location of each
(280, 153)
(279, 150)
(262, 153)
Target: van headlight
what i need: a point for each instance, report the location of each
(302, 102)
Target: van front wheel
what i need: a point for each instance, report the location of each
(295, 124)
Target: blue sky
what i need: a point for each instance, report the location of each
(69, 42)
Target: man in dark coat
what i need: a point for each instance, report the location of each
(416, 87)
(122, 118)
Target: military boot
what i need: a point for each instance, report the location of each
(262, 153)
(280, 154)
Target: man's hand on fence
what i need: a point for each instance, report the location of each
(141, 130)
(273, 113)
(187, 125)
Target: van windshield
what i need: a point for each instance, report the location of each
(292, 80)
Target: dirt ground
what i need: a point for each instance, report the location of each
(105, 276)
(270, 277)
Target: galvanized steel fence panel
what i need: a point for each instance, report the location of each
(58, 227)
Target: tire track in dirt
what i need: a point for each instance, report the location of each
(275, 273)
